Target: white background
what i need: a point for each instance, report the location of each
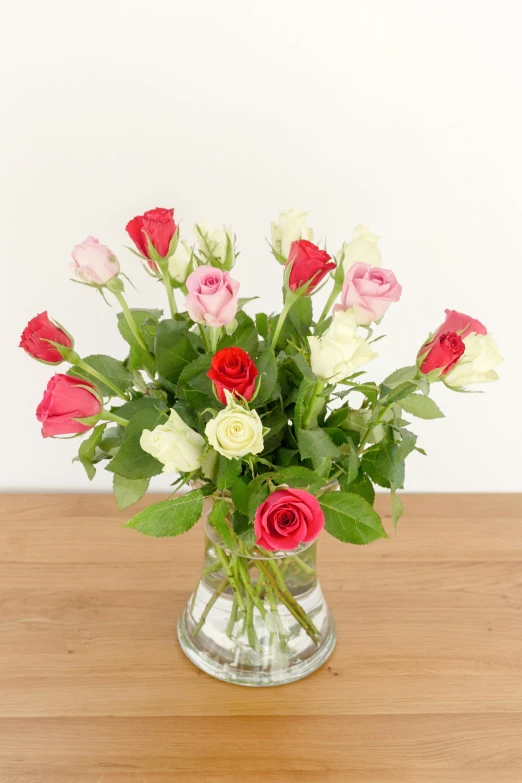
(405, 116)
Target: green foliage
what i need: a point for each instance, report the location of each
(298, 477)
(397, 507)
(131, 461)
(361, 485)
(382, 465)
(169, 517)
(227, 472)
(422, 407)
(128, 491)
(267, 368)
(244, 337)
(174, 351)
(110, 368)
(217, 518)
(318, 447)
(400, 376)
(350, 518)
(88, 448)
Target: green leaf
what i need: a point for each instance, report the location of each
(316, 445)
(130, 409)
(170, 517)
(145, 320)
(217, 518)
(267, 367)
(350, 518)
(360, 486)
(407, 444)
(131, 461)
(350, 462)
(255, 500)
(400, 376)
(284, 456)
(300, 315)
(128, 491)
(381, 463)
(399, 392)
(174, 351)
(422, 407)
(209, 464)
(300, 478)
(262, 324)
(88, 448)
(243, 528)
(244, 337)
(110, 368)
(337, 417)
(240, 495)
(397, 507)
(304, 396)
(227, 472)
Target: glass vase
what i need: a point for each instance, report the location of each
(256, 618)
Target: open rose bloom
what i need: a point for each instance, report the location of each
(252, 414)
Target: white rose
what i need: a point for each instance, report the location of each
(179, 262)
(216, 243)
(174, 444)
(477, 362)
(290, 228)
(339, 352)
(235, 432)
(362, 247)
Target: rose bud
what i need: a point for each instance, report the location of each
(94, 264)
(309, 265)
(233, 370)
(66, 399)
(212, 296)
(158, 227)
(36, 336)
(216, 245)
(291, 227)
(443, 353)
(361, 247)
(369, 290)
(287, 518)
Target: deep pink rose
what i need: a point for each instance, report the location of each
(287, 518)
(35, 339)
(370, 290)
(66, 399)
(309, 264)
(94, 263)
(158, 226)
(460, 323)
(212, 296)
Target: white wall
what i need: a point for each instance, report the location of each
(403, 115)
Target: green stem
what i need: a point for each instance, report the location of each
(232, 577)
(319, 386)
(331, 299)
(288, 600)
(130, 319)
(215, 334)
(80, 363)
(208, 607)
(113, 417)
(165, 276)
(204, 337)
(290, 299)
(232, 619)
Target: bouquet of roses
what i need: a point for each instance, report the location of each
(254, 414)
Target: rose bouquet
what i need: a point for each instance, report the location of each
(257, 417)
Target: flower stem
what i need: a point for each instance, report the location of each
(208, 607)
(165, 276)
(130, 319)
(319, 386)
(290, 299)
(113, 417)
(331, 299)
(204, 338)
(80, 363)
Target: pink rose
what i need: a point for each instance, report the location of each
(94, 264)
(370, 290)
(66, 399)
(460, 323)
(287, 518)
(212, 296)
(36, 336)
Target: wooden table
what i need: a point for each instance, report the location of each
(425, 684)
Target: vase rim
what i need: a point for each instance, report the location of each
(279, 554)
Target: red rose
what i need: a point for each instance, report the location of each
(66, 399)
(233, 370)
(35, 336)
(287, 518)
(443, 353)
(156, 224)
(309, 264)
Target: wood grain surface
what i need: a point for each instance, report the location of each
(425, 685)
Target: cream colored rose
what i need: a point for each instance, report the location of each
(179, 262)
(339, 352)
(174, 444)
(235, 431)
(477, 363)
(216, 244)
(290, 228)
(362, 247)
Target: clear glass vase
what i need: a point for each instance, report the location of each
(256, 617)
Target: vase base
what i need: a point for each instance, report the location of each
(267, 672)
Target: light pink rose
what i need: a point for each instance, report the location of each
(212, 296)
(93, 263)
(369, 290)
